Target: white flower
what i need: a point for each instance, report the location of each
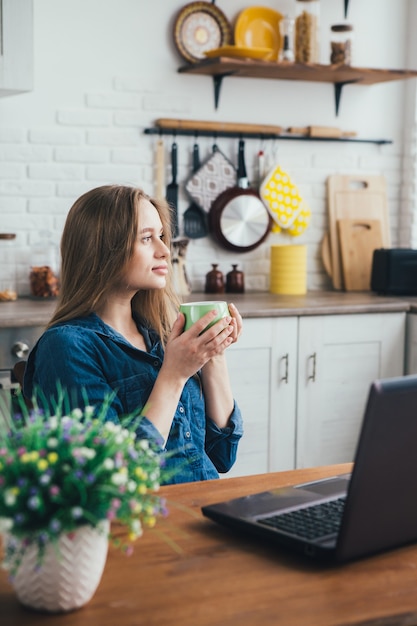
(10, 497)
(53, 422)
(76, 413)
(108, 464)
(5, 524)
(119, 478)
(52, 442)
(87, 453)
(144, 444)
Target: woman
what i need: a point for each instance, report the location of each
(117, 331)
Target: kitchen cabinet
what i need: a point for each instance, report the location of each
(16, 46)
(302, 384)
(262, 366)
(338, 357)
(411, 344)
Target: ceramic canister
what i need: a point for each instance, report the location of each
(288, 269)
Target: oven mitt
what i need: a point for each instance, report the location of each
(282, 198)
(215, 175)
(301, 221)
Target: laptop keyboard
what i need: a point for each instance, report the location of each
(313, 522)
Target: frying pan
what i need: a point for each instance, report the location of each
(238, 219)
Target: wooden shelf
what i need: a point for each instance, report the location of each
(339, 75)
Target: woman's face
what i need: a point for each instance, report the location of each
(148, 266)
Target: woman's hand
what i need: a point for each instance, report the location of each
(236, 322)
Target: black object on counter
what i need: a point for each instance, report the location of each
(235, 281)
(214, 281)
(394, 271)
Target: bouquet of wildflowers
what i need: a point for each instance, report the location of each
(67, 470)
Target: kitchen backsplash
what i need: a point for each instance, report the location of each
(97, 138)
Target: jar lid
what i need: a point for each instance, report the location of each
(7, 236)
(341, 28)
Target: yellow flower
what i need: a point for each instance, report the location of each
(27, 457)
(151, 521)
(42, 464)
(52, 457)
(140, 473)
(142, 489)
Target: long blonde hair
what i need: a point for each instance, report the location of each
(97, 242)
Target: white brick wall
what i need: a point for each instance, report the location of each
(56, 143)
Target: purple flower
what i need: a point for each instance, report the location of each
(55, 526)
(34, 503)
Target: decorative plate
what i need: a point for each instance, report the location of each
(241, 51)
(258, 27)
(200, 26)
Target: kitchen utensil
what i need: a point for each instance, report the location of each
(195, 218)
(160, 169)
(238, 219)
(358, 240)
(172, 190)
(200, 26)
(281, 197)
(258, 27)
(355, 197)
(326, 255)
(194, 311)
(217, 127)
(180, 281)
(321, 132)
(248, 52)
(215, 175)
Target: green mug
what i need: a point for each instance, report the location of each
(193, 311)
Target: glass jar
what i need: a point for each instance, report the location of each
(43, 277)
(8, 287)
(286, 27)
(235, 281)
(214, 281)
(307, 19)
(341, 44)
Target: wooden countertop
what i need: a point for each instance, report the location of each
(189, 571)
(27, 312)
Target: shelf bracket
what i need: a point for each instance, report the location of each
(217, 82)
(338, 92)
(346, 8)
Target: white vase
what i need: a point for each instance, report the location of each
(69, 574)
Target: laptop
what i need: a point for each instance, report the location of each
(348, 516)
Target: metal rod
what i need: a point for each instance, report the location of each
(247, 135)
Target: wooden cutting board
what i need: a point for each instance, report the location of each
(357, 198)
(358, 239)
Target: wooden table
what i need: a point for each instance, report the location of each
(189, 571)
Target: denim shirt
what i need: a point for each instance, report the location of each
(85, 353)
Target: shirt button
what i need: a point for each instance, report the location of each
(181, 409)
(188, 434)
(156, 363)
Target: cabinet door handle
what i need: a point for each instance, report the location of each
(312, 376)
(285, 377)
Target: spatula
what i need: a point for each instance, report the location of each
(172, 190)
(195, 218)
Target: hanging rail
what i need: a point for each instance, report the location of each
(198, 132)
